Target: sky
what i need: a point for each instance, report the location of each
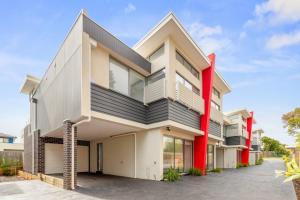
(257, 47)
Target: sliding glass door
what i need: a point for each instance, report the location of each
(178, 154)
(188, 155)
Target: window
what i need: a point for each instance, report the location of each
(1, 140)
(126, 81)
(177, 153)
(188, 85)
(157, 53)
(216, 92)
(215, 105)
(118, 77)
(187, 65)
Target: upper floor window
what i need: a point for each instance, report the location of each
(125, 80)
(187, 65)
(215, 105)
(188, 85)
(216, 92)
(158, 52)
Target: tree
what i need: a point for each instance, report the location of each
(291, 121)
(271, 144)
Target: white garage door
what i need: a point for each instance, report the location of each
(119, 156)
(252, 158)
(54, 161)
(83, 158)
(54, 158)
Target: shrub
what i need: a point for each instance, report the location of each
(239, 165)
(195, 172)
(172, 175)
(259, 161)
(216, 170)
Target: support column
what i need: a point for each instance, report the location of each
(245, 152)
(70, 156)
(200, 143)
(39, 153)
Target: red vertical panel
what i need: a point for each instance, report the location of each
(245, 152)
(200, 143)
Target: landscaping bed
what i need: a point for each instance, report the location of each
(296, 184)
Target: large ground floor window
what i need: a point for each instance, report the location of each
(178, 153)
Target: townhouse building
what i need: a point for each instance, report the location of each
(256, 146)
(236, 145)
(103, 107)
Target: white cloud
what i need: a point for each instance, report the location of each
(14, 67)
(209, 38)
(238, 69)
(243, 34)
(274, 12)
(130, 8)
(283, 40)
(279, 10)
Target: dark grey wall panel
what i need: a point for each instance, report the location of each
(157, 111)
(256, 147)
(181, 114)
(108, 40)
(110, 102)
(214, 128)
(236, 140)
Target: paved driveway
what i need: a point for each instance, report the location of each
(256, 182)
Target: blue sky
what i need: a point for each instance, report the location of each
(257, 44)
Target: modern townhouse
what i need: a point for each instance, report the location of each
(237, 131)
(103, 107)
(215, 154)
(256, 146)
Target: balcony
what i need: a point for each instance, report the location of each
(245, 134)
(189, 98)
(216, 115)
(155, 91)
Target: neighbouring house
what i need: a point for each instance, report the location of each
(235, 148)
(7, 143)
(256, 146)
(104, 107)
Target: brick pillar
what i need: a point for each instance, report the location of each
(41, 155)
(36, 151)
(75, 157)
(67, 171)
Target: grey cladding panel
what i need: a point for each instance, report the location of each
(108, 40)
(157, 111)
(181, 114)
(256, 147)
(214, 128)
(236, 140)
(112, 103)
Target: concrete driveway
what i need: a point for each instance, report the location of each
(256, 182)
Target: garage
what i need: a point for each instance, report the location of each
(54, 161)
(119, 156)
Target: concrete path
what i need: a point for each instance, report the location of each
(256, 182)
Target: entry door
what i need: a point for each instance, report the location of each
(100, 157)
